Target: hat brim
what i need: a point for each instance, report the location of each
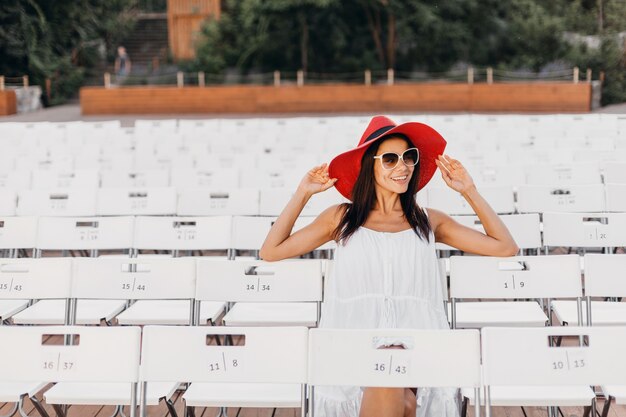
(346, 166)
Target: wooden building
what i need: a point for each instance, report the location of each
(184, 21)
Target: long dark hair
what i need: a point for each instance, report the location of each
(364, 198)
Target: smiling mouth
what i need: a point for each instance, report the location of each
(400, 179)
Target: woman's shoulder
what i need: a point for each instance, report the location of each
(435, 217)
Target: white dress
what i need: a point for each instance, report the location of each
(384, 280)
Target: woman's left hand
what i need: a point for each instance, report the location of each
(454, 174)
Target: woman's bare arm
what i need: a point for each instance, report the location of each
(496, 241)
(280, 243)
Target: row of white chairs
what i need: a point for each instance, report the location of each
(247, 233)
(289, 174)
(562, 125)
(167, 201)
(168, 291)
(223, 233)
(102, 286)
(129, 365)
(523, 280)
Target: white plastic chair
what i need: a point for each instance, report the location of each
(253, 374)
(525, 229)
(121, 178)
(273, 201)
(182, 234)
(108, 356)
(430, 358)
(163, 287)
(205, 178)
(566, 198)
(563, 174)
(603, 278)
(450, 202)
(188, 234)
(26, 279)
(136, 201)
(285, 293)
(61, 202)
(520, 277)
(74, 179)
(584, 230)
(522, 367)
(614, 172)
(211, 202)
(249, 232)
(616, 197)
(17, 233)
(91, 234)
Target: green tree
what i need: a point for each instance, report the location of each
(60, 39)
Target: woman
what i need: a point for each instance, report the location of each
(385, 272)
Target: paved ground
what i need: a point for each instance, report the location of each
(71, 112)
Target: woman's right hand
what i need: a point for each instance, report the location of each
(316, 180)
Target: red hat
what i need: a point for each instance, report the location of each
(346, 166)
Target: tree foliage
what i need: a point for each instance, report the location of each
(60, 39)
(341, 36)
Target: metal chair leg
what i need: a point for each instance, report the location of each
(39, 407)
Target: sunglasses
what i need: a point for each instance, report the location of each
(390, 160)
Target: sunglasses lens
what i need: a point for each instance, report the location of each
(410, 157)
(390, 160)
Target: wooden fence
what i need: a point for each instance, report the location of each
(8, 103)
(534, 97)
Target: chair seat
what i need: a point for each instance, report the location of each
(616, 391)
(10, 392)
(53, 312)
(167, 312)
(272, 314)
(539, 396)
(603, 313)
(498, 313)
(243, 395)
(11, 307)
(106, 393)
(211, 310)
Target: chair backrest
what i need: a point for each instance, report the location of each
(451, 202)
(525, 229)
(85, 178)
(205, 178)
(136, 201)
(213, 202)
(61, 202)
(430, 358)
(8, 202)
(566, 198)
(563, 174)
(555, 276)
(103, 354)
(584, 229)
(183, 233)
(616, 197)
(38, 278)
(259, 281)
(124, 278)
(193, 359)
(18, 232)
(125, 178)
(614, 172)
(249, 232)
(105, 233)
(604, 275)
(524, 356)
(272, 201)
